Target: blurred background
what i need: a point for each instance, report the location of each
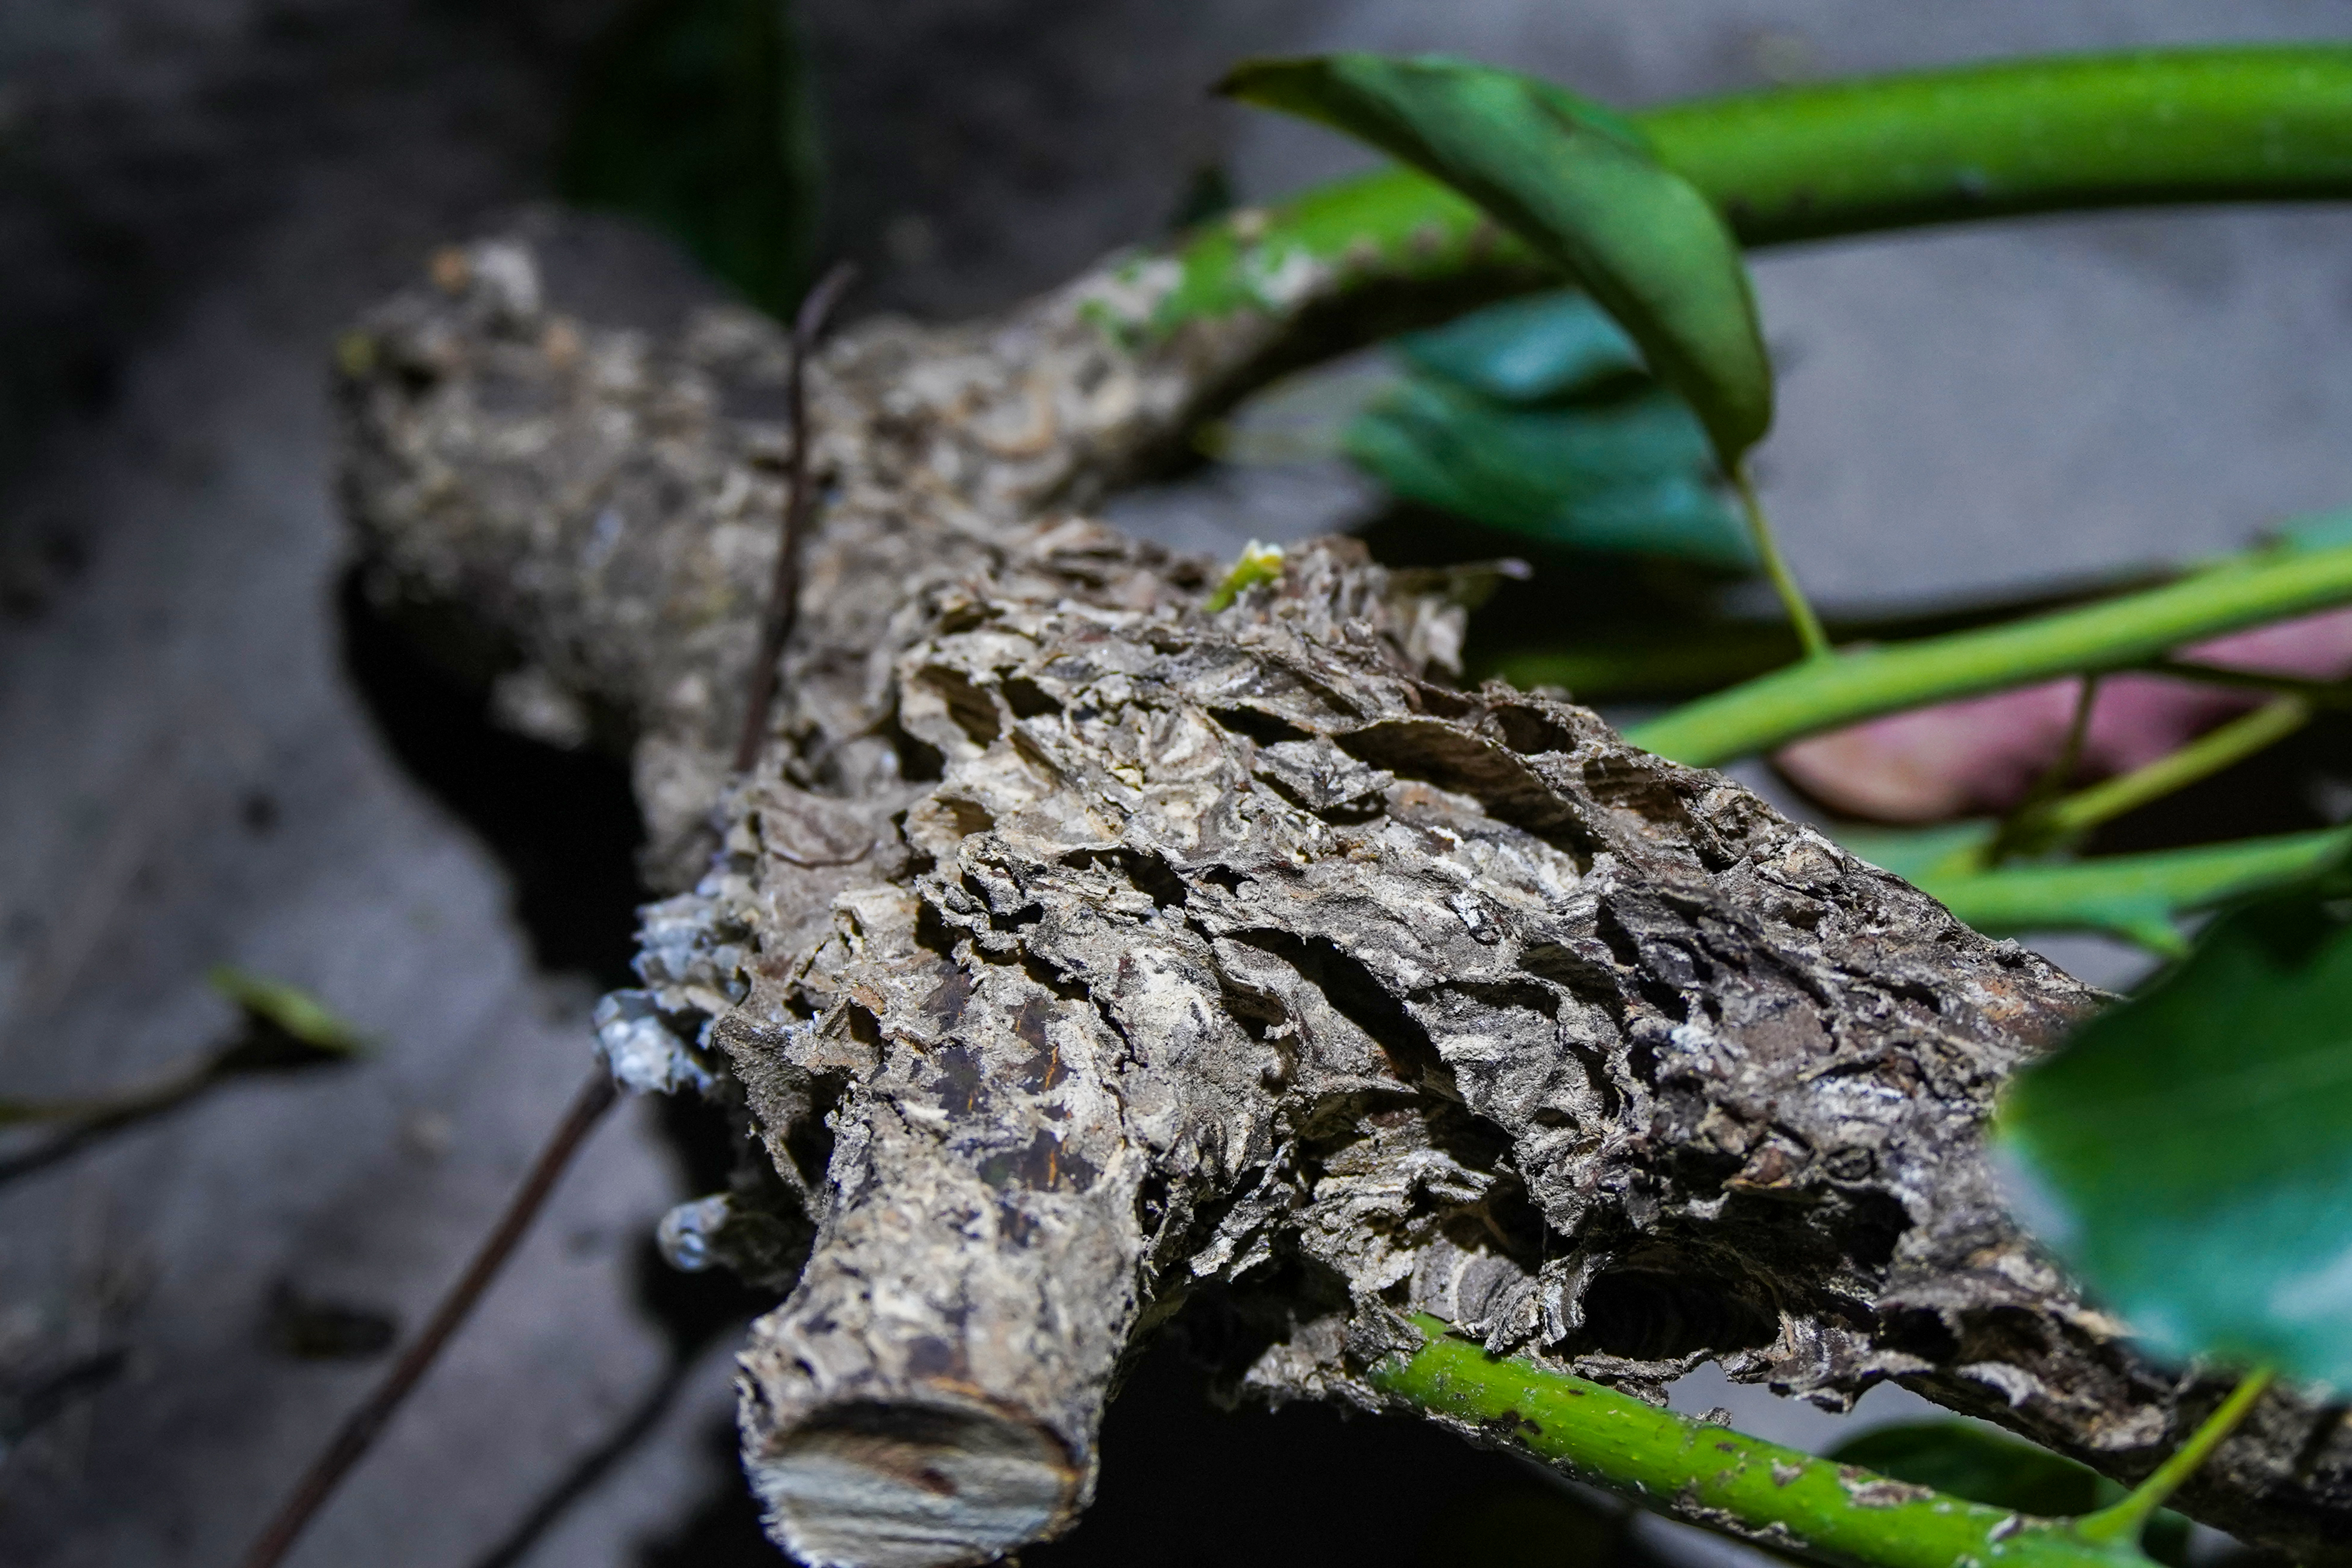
(210, 753)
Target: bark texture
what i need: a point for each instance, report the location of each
(1073, 952)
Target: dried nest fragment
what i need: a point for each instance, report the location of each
(1073, 952)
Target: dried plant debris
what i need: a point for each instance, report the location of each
(1073, 952)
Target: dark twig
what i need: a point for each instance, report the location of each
(86, 1121)
(784, 593)
(360, 1432)
(284, 1031)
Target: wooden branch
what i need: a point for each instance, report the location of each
(1079, 951)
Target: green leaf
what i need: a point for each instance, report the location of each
(1577, 184)
(2191, 1148)
(285, 1030)
(1534, 350)
(2135, 897)
(1982, 1466)
(2318, 530)
(1628, 475)
(696, 117)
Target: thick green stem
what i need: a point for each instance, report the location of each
(1707, 1474)
(2127, 1520)
(1810, 635)
(2019, 136)
(1858, 684)
(2266, 123)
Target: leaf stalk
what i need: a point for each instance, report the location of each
(2126, 1520)
(1811, 637)
(2200, 759)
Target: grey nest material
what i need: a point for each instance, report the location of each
(1072, 952)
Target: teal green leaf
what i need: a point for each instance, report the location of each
(1983, 1465)
(1577, 184)
(695, 118)
(2318, 530)
(1628, 475)
(2192, 1147)
(2136, 897)
(1534, 350)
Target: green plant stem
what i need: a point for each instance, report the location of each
(1676, 659)
(2019, 136)
(1781, 1497)
(2265, 123)
(2124, 1522)
(1863, 683)
(1256, 564)
(2017, 830)
(2331, 694)
(1810, 635)
(2136, 897)
(2200, 759)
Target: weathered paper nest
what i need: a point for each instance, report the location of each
(1074, 954)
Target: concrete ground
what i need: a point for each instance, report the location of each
(208, 753)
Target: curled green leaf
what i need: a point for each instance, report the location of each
(697, 118)
(1577, 184)
(1629, 474)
